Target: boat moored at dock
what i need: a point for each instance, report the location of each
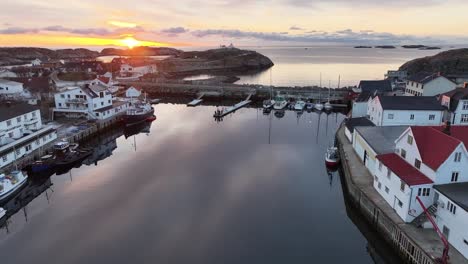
(300, 105)
(332, 158)
(280, 102)
(2, 212)
(11, 182)
(137, 113)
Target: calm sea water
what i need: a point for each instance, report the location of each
(250, 189)
(302, 66)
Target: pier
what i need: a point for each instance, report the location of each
(196, 101)
(226, 111)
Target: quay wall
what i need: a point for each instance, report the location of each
(407, 248)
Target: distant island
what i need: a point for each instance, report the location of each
(385, 47)
(363, 47)
(420, 47)
(448, 62)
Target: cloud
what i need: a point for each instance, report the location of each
(173, 31)
(18, 30)
(295, 28)
(76, 31)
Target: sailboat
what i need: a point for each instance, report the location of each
(267, 104)
(319, 105)
(328, 105)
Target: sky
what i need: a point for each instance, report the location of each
(96, 23)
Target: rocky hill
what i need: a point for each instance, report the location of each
(223, 60)
(23, 55)
(141, 51)
(447, 62)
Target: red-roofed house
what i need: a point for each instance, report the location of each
(424, 156)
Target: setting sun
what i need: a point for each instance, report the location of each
(130, 42)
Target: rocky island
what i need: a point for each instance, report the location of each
(448, 62)
(24, 55)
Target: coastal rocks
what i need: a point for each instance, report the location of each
(215, 61)
(447, 62)
(141, 51)
(17, 56)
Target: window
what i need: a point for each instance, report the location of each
(424, 191)
(389, 173)
(17, 152)
(33, 114)
(402, 186)
(465, 105)
(409, 140)
(451, 207)
(376, 178)
(38, 142)
(4, 158)
(403, 153)
(390, 116)
(446, 231)
(379, 185)
(417, 163)
(431, 117)
(387, 190)
(108, 101)
(60, 104)
(10, 135)
(62, 96)
(400, 204)
(28, 147)
(411, 117)
(102, 103)
(18, 119)
(455, 176)
(457, 157)
(8, 122)
(380, 166)
(464, 118)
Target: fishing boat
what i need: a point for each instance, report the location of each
(71, 159)
(10, 183)
(319, 106)
(138, 112)
(332, 157)
(300, 105)
(280, 102)
(45, 163)
(2, 212)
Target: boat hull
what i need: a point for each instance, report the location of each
(280, 106)
(136, 119)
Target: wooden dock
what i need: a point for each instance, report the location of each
(197, 101)
(225, 111)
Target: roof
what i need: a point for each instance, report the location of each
(424, 77)
(8, 82)
(359, 121)
(98, 88)
(375, 85)
(381, 139)
(134, 87)
(104, 79)
(455, 96)
(456, 192)
(410, 103)
(428, 140)
(34, 84)
(363, 97)
(458, 132)
(11, 110)
(403, 169)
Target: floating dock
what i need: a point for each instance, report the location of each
(226, 111)
(197, 101)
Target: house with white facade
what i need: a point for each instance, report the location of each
(452, 214)
(369, 142)
(423, 157)
(456, 102)
(36, 62)
(133, 92)
(90, 101)
(137, 68)
(428, 84)
(359, 108)
(21, 131)
(10, 88)
(405, 110)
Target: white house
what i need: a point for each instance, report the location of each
(424, 84)
(21, 131)
(36, 62)
(10, 88)
(137, 68)
(456, 102)
(359, 108)
(133, 92)
(452, 214)
(423, 157)
(369, 141)
(405, 110)
(91, 102)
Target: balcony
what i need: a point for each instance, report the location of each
(31, 121)
(76, 101)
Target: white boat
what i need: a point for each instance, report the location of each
(328, 106)
(11, 182)
(267, 104)
(300, 105)
(331, 157)
(2, 212)
(280, 103)
(319, 106)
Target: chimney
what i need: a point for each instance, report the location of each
(447, 128)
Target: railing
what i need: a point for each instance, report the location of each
(76, 101)
(30, 121)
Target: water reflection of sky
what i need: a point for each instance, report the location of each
(197, 191)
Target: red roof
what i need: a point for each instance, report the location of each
(434, 145)
(104, 79)
(403, 170)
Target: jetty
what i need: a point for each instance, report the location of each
(196, 101)
(225, 111)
